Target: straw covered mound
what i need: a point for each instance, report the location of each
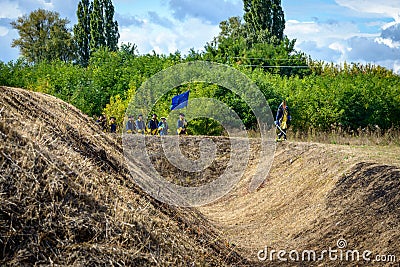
(67, 198)
(314, 196)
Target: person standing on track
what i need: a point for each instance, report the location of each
(130, 125)
(163, 126)
(181, 124)
(153, 125)
(282, 121)
(113, 125)
(102, 121)
(140, 125)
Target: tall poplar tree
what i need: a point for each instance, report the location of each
(110, 26)
(97, 38)
(82, 32)
(278, 20)
(96, 28)
(265, 15)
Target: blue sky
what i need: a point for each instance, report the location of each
(365, 31)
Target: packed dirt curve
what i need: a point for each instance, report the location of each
(67, 198)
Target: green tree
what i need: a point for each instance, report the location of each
(230, 42)
(265, 16)
(43, 35)
(110, 26)
(258, 42)
(236, 45)
(278, 20)
(95, 28)
(97, 38)
(82, 32)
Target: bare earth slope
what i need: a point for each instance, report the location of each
(67, 198)
(314, 196)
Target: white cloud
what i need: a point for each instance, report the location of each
(162, 21)
(396, 66)
(47, 4)
(389, 25)
(323, 34)
(389, 8)
(388, 42)
(192, 33)
(9, 9)
(128, 20)
(340, 47)
(295, 27)
(343, 41)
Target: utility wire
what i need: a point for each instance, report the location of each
(267, 59)
(295, 67)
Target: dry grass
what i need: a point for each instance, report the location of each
(338, 136)
(189, 145)
(363, 208)
(295, 207)
(67, 198)
(361, 136)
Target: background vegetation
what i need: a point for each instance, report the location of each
(102, 77)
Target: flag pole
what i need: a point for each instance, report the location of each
(187, 100)
(186, 109)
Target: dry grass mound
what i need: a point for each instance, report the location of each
(67, 198)
(316, 194)
(363, 209)
(190, 147)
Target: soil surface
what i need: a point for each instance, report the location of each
(67, 198)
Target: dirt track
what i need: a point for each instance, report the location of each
(67, 198)
(315, 195)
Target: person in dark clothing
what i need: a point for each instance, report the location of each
(282, 121)
(140, 125)
(130, 125)
(102, 121)
(163, 126)
(113, 125)
(153, 125)
(181, 124)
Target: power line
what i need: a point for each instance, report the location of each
(267, 59)
(276, 66)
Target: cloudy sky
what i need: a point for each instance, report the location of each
(329, 30)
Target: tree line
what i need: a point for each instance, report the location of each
(348, 96)
(44, 36)
(102, 77)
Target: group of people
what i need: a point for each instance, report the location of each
(138, 126)
(155, 127)
(107, 127)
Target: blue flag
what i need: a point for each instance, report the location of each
(180, 101)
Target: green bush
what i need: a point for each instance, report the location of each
(350, 97)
